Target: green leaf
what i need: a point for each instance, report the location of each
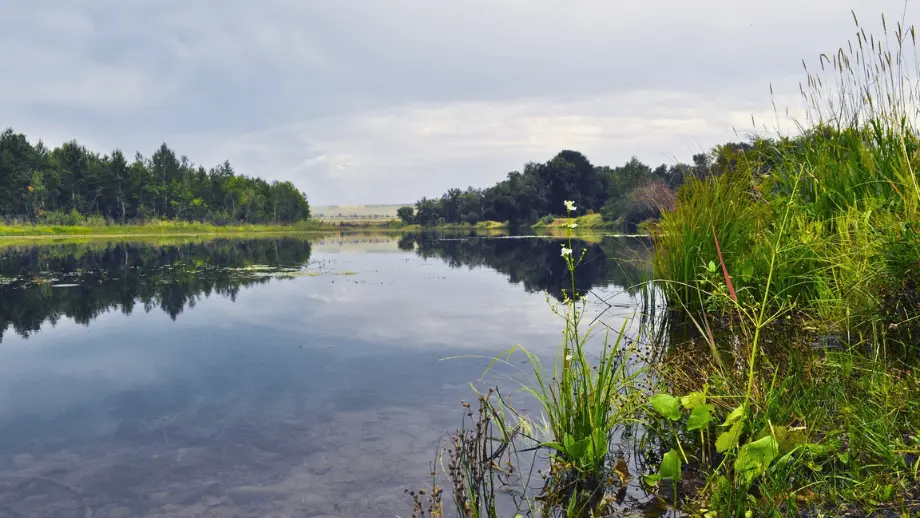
(670, 466)
(711, 267)
(734, 416)
(651, 479)
(728, 440)
(755, 457)
(693, 400)
(575, 450)
(666, 405)
(787, 439)
(818, 450)
(699, 417)
(747, 272)
(555, 446)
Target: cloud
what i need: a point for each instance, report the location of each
(399, 153)
(360, 102)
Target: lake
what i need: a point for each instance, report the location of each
(278, 376)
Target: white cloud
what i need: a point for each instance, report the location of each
(394, 152)
(385, 102)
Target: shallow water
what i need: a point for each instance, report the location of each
(270, 377)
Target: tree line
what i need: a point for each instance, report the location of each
(625, 195)
(69, 184)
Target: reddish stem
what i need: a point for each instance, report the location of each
(728, 279)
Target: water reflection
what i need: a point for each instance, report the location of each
(535, 262)
(41, 284)
(313, 395)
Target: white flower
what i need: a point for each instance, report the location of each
(566, 251)
(569, 205)
(568, 357)
(573, 225)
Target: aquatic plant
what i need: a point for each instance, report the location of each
(583, 399)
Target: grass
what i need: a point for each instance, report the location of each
(809, 239)
(25, 230)
(588, 221)
(851, 184)
(481, 225)
(795, 278)
(584, 399)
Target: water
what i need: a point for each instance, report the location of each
(266, 377)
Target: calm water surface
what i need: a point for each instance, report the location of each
(268, 377)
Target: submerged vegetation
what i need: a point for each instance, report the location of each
(784, 378)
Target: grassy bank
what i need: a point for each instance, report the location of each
(163, 227)
(784, 378)
(588, 221)
(800, 268)
(155, 228)
(482, 225)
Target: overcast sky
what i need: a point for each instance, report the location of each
(372, 101)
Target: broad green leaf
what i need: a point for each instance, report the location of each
(693, 400)
(555, 446)
(670, 466)
(666, 405)
(755, 457)
(747, 272)
(735, 414)
(575, 450)
(787, 439)
(651, 479)
(727, 440)
(699, 417)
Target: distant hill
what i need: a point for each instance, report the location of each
(355, 212)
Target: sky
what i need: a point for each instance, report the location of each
(364, 101)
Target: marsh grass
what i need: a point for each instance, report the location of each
(585, 396)
(798, 270)
(477, 462)
(588, 394)
(849, 178)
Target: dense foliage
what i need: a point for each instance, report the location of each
(70, 184)
(625, 195)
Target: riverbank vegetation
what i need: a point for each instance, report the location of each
(625, 195)
(782, 377)
(69, 184)
(83, 227)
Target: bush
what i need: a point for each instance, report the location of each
(72, 218)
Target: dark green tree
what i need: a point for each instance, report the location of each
(69, 183)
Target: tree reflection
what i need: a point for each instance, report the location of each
(536, 262)
(41, 284)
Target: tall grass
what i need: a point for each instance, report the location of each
(850, 178)
(584, 399)
(806, 249)
(800, 270)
